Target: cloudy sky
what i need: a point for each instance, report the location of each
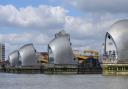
(36, 21)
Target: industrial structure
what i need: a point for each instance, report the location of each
(59, 49)
(13, 58)
(28, 55)
(88, 60)
(80, 56)
(116, 42)
(60, 58)
(116, 49)
(25, 56)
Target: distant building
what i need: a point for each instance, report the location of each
(42, 57)
(2, 52)
(80, 56)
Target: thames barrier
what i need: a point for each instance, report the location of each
(60, 58)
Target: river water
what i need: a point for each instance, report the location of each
(41, 81)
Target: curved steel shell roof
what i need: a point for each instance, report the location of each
(61, 50)
(28, 55)
(119, 33)
(14, 58)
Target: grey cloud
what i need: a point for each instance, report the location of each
(112, 6)
(15, 38)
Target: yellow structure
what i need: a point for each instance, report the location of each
(80, 56)
(43, 57)
(83, 55)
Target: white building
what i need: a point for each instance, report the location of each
(2, 52)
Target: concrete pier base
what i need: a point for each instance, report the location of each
(52, 69)
(115, 69)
